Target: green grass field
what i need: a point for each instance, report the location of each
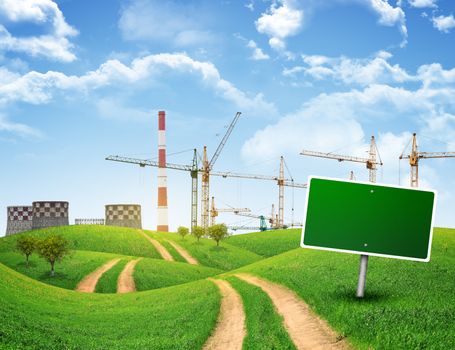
(225, 257)
(152, 273)
(408, 305)
(38, 316)
(108, 281)
(117, 240)
(68, 273)
(268, 243)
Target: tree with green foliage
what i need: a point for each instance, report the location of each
(52, 249)
(183, 231)
(26, 245)
(197, 232)
(218, 232)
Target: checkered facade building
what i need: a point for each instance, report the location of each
(19, 219)
(125, 215)
(48, 214)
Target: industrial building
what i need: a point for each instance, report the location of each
(50, 214)
(19, 219)
(124, 215)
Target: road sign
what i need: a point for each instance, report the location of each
(368, 219)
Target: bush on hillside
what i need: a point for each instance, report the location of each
(183, 231)
(26, 245)
(52, 249)
(197, 232)
(218, 232)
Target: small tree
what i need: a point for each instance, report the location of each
(197, 232)
(218, 232)
(52, 249)
(183, 231)
(26, 245)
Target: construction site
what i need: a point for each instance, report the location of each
(205, 210)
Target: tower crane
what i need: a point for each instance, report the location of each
(214, 211)
(262, 218)
(194, 170)
(371, 162)
(207, 167)
(416, 155)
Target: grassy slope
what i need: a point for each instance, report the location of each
(268, 243)
(37, 316)
(177, 257)
(68, 272)
(264, 326)
(152, 274)
(119, 240)
(408, 305)
(108, 281)
(225, 257)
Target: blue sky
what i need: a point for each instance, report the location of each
(80, 80)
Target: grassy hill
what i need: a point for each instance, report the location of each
(268, 243)
(408, 305)
(68, 273)
(225, 257)
(116, 240)
(152, 273)
(38, 316)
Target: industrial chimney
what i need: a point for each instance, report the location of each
(162, 221)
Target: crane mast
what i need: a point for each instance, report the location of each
(415, 156)
(194, 188)
(281, 195)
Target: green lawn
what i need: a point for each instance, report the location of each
(224, 257)
(37, 316)
(268, 243)
(68, 272)
(152, 274)
(108, 281)
(177, 257)
(265, 328)
(119, 240)
(408, 305)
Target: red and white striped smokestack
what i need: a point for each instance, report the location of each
(162, 221)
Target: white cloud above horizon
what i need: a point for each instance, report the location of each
(171, 21)
(38, 88)
(444, 23)
(54, 45)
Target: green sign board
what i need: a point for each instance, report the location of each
(368, 219)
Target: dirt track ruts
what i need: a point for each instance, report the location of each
(184, 253)
(230, 329)
(125, 282)
(88, 283)
(159, 247)
(306, 329)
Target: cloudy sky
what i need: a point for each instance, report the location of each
(80, 80)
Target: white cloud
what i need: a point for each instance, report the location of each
(444, 23)
(258, 54)
(167, 21)
(282, 20)
(328, 120)
(37, 88)
(17, 128)
(54, 45)
(391, 16)
(250, 5)
(352, 71)
(423, 3)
